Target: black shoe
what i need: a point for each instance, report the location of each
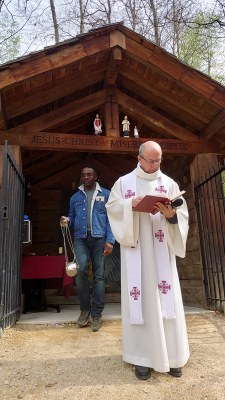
(143, 373)
(177, 372)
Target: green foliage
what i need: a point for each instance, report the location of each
(9, 39)
(223, 181)
(199, 44)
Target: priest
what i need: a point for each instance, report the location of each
(153, 322)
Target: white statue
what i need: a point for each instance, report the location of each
(136, 134)
(126, 127)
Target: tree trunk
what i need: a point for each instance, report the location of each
(55, 22)
(155, 22)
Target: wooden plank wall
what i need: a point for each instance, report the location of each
(190, 268)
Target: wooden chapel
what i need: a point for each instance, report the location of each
(48, 103)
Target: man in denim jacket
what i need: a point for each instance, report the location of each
(93, 239)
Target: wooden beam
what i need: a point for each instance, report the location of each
(102, 144)
(215, 126)
(3, 117)
(162, 99)
(32, 156)
(68, 171)
(16, 153)
(113, 66)
(63, 114)
(54, 158)
(53, 90)
(171, 66)
(52, 176)
(111, 113)
(153, 119)
(163, 93)
(117, 162)
(75, 124)
(117, 38)
(49, 60)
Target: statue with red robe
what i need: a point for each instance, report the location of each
(97, 125)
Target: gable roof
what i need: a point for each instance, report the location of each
(61, 88)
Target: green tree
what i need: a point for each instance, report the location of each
(9, 38)
(199, 46)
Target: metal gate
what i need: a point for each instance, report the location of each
(210, 206)
(11, 219)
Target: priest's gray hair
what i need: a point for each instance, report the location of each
(141, 150)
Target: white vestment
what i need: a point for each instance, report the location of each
(159, 343)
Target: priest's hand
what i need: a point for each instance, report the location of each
(167, 210)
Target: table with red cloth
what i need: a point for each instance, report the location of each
(47, 267)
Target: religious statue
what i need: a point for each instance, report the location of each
(97, 125)
(126, 127)
(136, 134)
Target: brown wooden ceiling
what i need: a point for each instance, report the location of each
(60, 90)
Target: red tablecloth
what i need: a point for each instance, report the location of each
(46, 267)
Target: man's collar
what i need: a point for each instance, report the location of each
(97, 187)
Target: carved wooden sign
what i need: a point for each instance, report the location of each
(105, 144)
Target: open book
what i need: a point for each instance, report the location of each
(148, 202)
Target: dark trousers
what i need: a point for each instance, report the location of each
(85, 249)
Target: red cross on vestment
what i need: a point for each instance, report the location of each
(164, 287)
(159, 235)
(135, 293)
(160, 189)
(129, 194)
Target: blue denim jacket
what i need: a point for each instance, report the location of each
(99, 220)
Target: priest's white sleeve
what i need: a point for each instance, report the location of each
(123, 221)
(177, 233)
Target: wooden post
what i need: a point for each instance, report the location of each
(200, 166)
(112, 114)
(15, 150)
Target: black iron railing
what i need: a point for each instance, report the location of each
(210, 207)
(11, 219)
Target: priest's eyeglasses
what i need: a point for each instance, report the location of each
(152, 161)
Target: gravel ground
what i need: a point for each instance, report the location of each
(58, 362)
